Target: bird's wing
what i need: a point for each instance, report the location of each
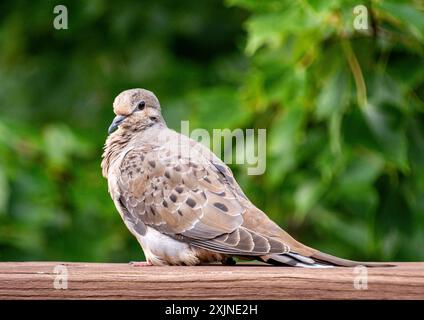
(191, 198)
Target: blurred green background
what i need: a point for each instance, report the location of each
(343, 109)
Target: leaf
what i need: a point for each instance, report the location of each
(356, 185)
(394, 213)
(379, 130)
(406, 14)
(4, 191)
(356, 131)
(272, 28)
(334, 95)
(218, 108)
(283, 141)
(389, 134)
(416, 150)
(352, 234)
(306, 196)
(361, 171)
(323, 6)
(60, 144)
(383, 90)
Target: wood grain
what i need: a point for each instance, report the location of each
(34, 280)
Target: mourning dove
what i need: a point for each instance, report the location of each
(182, 202)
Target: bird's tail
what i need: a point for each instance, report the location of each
(317, 260)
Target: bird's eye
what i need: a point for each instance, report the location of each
(141, 105)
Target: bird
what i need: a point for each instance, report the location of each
(182, 203)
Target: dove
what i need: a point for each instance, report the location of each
(182, 203)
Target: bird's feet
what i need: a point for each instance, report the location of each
(229, 261)
(140, 264)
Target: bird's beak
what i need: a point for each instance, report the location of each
(115, 123)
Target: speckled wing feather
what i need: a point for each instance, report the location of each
(193, 198)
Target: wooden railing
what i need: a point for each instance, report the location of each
(61, 280)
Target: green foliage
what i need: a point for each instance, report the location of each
(346, 123)
(343, 109)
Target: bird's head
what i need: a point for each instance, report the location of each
(135, 108)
